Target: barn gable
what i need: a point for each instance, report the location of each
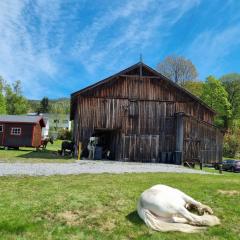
(138, 69)
(140, 82)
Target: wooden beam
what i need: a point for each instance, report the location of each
(179, 138)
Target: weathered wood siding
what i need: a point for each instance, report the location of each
(144, 126)
(142, 110)
(151, 89)
(202, 141)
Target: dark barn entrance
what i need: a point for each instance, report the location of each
(107, 143)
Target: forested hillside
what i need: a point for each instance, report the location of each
(60, 105)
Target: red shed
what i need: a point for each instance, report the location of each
(21, 131)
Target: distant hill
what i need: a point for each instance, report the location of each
(59, 105)
(51, 100)
(60, 99)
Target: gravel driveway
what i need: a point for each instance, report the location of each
(84, 166)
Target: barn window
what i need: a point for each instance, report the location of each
(16, 131)
(1, 128)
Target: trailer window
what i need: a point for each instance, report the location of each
(16, 131)
(1, 128)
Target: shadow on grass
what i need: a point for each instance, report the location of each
(43, 154)
(12, 228)
(134, 218)
(12, 149)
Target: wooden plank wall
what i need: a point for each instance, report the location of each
(145, 128)
(209, 138)
(142, 110)
(151, 88)
(148, 148)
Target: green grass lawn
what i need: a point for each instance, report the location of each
(31, 155)
(103, 206)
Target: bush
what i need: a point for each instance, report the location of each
(64, 134)
(231, 145)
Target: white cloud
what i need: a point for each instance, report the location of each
(25, 51)
(34, 36)
(142, 21)
(38, 37)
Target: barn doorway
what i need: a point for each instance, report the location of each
(107, 142)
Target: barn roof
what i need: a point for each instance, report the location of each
(22, 119)
(141, 66)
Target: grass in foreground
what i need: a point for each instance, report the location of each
(104, 206)
(33, 156)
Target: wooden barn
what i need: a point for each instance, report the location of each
(141, 115)
(21, 131)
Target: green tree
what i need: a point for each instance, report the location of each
(231, 146)
(34, 106)
(178, 69)
(44, 105)
(60, 106)
(215, 95)
(16, 103)
(56, 109)
(231, 83)
(2, 97)
(194, 87)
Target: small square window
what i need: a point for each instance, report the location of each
(1, 128)
(16, 131)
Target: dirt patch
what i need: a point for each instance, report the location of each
(69, 217)
(108, 225)
(48, 216)
(229, 192)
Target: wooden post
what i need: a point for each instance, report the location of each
(79, 150)
(220, 168)
(179, 138)
(201, 165)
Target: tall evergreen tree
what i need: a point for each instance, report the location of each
(44, 105)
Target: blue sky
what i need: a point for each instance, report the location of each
(56, 47)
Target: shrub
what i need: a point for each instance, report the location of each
(231, 144)
(64, 134)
